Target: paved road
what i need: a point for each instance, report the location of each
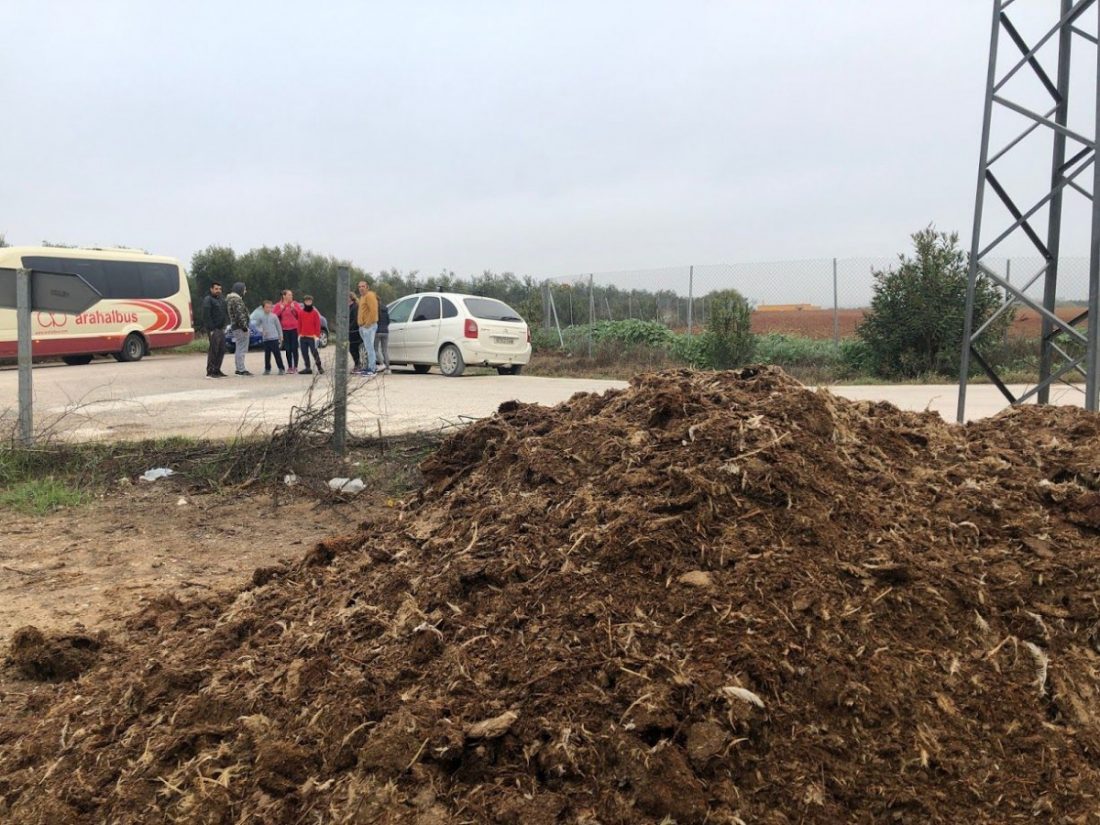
(168, 395)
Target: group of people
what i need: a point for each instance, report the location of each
(287, 326)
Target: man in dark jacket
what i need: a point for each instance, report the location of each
(214, 317)
(238, 324)
(382, 338)
(354, 340)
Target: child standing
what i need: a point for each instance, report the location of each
(272, 332)
(309, 330)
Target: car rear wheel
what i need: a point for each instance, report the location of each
(133, 348)
(451, 363)
(76, 360)
(511, 369)
(322, 339)
(422, 369)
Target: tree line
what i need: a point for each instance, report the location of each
(267, 270)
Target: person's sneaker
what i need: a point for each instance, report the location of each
(210, 375)
(320, 370)
(293, 370)
(220, 374)
(267, 372)
(306, 371)
(243, 372)
(282, 372)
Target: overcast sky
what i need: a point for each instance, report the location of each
(542, 138)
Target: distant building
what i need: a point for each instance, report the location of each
(785, 307)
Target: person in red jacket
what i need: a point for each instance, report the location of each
(288, 311)
(309, 330)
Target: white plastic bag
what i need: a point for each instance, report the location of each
(347, 485)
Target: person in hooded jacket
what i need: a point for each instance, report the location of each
(238, 325)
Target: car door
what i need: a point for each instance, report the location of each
(422, 332)
(400, 313)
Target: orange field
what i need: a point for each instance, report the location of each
(818, 323)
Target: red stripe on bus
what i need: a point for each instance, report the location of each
(93, 345)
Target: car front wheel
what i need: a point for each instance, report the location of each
(451, 363)
(322, 339)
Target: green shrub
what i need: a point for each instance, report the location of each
(633, 331)
(729, 339)
(856, 358)
(786, 350)
(693, 350)
(915, 325)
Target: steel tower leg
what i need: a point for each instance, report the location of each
(1054, 226)
(1055, 359)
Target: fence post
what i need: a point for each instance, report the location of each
(340, 366)
(691, 297)
(547, 323)
(557, 320)
(591, 312)
(836, 309)
(23, 302)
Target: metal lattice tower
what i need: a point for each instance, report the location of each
(1066, 346)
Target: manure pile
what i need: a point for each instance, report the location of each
(707, 598)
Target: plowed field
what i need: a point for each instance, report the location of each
(818, 323)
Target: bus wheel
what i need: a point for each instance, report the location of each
(76, 360)
(133, 348)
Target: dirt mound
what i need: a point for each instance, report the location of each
(707, 598)
(54, 657)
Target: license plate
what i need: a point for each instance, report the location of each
(501, 339)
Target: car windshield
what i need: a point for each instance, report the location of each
(489, 309)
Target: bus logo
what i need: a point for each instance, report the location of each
(52, 319)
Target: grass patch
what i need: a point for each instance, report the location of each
(197, 345)
(40, 479)
(40, 496)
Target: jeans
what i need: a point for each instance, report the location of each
(382, 347)
(272, 348)
(367, 334)
(309, 344)
(240, 344)
(216, 354)
(290, 345)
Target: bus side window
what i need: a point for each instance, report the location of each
(123, 279)
(90, 270)
(159, 280)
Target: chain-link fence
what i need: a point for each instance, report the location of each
(820, 298)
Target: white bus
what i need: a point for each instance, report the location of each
(146, 305)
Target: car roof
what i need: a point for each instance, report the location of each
(431, 293)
